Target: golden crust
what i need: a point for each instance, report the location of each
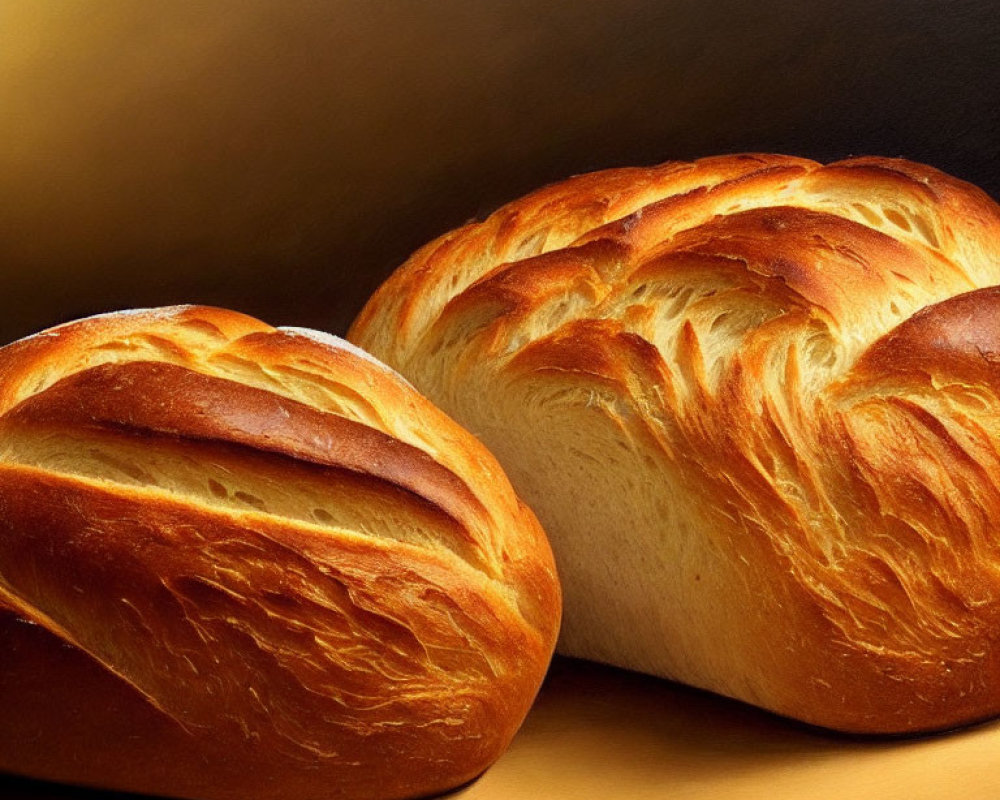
(269, 566)
(754, 402)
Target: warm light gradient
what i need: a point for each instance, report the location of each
(283, 158)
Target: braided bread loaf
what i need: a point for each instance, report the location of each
(755, 402)
(241, 562)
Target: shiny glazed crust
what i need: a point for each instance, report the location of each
(246, 562)
(755, 403)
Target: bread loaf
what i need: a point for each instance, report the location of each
(245, 562)
(755, 402)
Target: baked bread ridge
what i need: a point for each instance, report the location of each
(239, 561)
(753, 401)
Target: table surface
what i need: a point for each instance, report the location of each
(604, 733)
(597, 732)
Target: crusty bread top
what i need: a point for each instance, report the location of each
(277, 543)
(211, 375)
(631, 216)
(801, 360)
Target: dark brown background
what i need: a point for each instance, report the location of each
(283, 157)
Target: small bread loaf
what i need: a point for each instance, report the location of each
(240, 562)
(755, 403)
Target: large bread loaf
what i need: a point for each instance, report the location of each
(240, 562)
(755, 402)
